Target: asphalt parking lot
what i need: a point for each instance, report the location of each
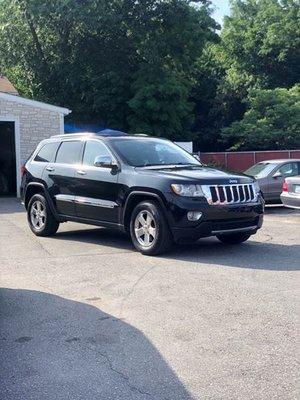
(84, 316)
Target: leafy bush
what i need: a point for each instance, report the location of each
(271, 122)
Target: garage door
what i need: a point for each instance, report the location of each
(7, 159)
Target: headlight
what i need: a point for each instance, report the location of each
(187, 190)
(256, 187)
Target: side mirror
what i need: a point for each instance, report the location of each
(277, 175)
(104, 162)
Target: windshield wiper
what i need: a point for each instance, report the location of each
(185, 165)
(148, 165)
(171, 165)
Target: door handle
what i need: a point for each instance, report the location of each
(49, 168)
(80, 172)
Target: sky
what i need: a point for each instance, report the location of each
(221, 9)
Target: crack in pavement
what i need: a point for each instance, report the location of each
(121, 374)
(28, 235)
(133, 287)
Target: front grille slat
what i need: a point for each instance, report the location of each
(236, 194)
(251, 192)
(248, 198)
(218, 195)
(222, 194)
(213, 192)
(230, 194)
(241, 192)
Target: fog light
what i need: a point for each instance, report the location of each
(194, 215)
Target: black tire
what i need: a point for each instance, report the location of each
(49, 225)
(163, 238)
(234, 238)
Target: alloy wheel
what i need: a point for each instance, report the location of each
(38, 215)
(145, 228)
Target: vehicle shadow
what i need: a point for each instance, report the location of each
(54, 348)
(252, 254)
(280, 210)
(104, 236)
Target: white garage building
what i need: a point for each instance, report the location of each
(23, 124)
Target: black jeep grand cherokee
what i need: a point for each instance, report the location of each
(146, 186)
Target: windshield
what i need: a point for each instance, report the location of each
(150, 152)
(260, 170)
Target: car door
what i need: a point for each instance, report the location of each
(264, 184)
(278, 176)
(96, 186)
(61, 176)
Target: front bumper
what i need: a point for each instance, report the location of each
(290, 200)
(215, 220)
(213, 228)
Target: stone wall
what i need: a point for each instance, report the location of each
(35, 124)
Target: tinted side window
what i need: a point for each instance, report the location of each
(290, 169)
(47, 152)
(92, 150)
(69, 152)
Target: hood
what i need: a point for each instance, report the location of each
(205, 175)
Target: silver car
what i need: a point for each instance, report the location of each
(270, 175)
(290, 195)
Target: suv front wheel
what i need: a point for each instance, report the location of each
(40, 218)
(149, 229)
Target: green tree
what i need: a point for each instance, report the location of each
(261, 42)
(69, 52)
(271, 122)
(258, 48)
(162, 103)
(103, 58)
(161, 106)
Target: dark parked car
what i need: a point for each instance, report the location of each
(290, 195)
(148, 187)
(271, 174)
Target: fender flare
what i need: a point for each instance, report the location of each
(45, 192)
(144, 193)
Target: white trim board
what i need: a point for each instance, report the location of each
(61, 124)
(15, 120)
(34, 103)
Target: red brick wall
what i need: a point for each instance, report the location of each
(240, 161)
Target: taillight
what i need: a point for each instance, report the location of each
(23, 169)
(285, 187)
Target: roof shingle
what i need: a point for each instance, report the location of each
(6, 86)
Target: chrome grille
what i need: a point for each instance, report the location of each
(229, 194)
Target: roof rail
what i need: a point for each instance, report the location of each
(66, 135)
(104, 133)
(111, 132)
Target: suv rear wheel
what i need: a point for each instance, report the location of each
(234, 238)
(149, 229)
(40, 218)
